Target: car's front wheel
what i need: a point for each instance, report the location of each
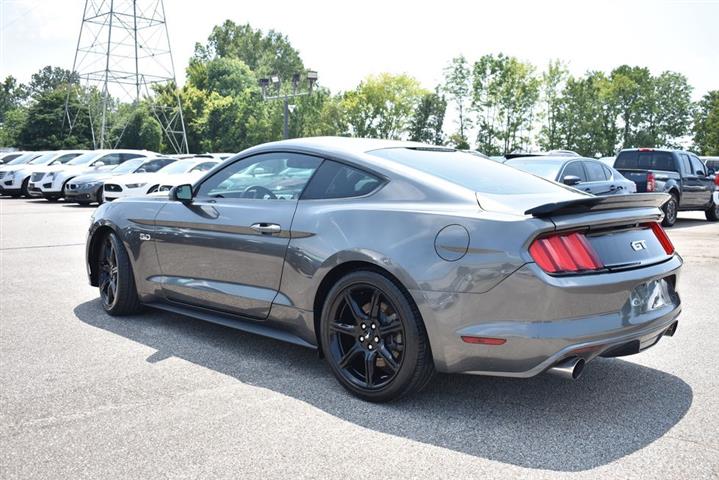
(116, 281)
(374, 339)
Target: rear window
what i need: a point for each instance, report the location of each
(548, 169)
(645, 160)
(469, 171)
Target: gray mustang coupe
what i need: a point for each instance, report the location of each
(396, 260)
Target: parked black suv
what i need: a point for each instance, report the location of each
(679, 173)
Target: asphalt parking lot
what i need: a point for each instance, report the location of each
(85, 395)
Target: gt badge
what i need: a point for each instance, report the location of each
(639, 245)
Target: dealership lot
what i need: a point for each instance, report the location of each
(84, 395)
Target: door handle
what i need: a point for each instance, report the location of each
(612, 188)
(268, 228)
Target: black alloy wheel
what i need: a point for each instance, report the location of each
(374, 338)
(108, 274)
(115, 278)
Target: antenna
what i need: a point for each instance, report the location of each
(123, 55)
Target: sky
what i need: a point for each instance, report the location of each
(345, 41)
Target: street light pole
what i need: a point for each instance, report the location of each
(275, 80)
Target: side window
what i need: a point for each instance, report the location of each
(595, 172)
(203, 167)
(608, 172)
(698, 166)
(685, 165)
(155, 165)
(575, 169)
(109, 159)
(270, 176)
(129, 156)
(336, 180)
(65, 158)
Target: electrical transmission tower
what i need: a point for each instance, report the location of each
(123, 56)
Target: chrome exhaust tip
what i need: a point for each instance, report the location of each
(570, 368)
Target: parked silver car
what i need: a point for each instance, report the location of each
(396, 260)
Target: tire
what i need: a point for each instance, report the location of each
(374, 339)
(23, 189)
(114, 268)
(712, 213)
(83, 203)
(670, 211)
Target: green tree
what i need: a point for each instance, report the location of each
(226, 76)
(428, 119)
(12, 95)
(314, 115)
(11, 126)
(668, 112)
(51, 78)
(505, 92)
(382, 106)
(553, 81)
(586, 117)
(43, 129)
(139, 129)
(706, 124)
(265, 54)
(458, 86)
(630, 88)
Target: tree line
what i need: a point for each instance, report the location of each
(499, 104)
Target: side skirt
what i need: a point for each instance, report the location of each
(233, 321)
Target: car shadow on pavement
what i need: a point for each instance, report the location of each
(615, 409)
(687, 223)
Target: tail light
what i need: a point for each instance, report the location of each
(651, 182)
(663, 238)
(565, 253)
(716, 179)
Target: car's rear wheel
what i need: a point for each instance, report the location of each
(374, 339)
(116, 282)
(670, 211)
(712, 213)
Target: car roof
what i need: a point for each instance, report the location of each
(551, 158)
(349, 145)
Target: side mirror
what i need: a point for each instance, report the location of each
(571, 180)
(182, 193)
(711, 172)
(99, 164)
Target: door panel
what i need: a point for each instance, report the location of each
(225, 250)
(210, 256)
(704, 184)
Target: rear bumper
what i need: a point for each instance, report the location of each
(545, 319)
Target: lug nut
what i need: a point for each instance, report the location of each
(369, 346)
(374, 326)
(376, 339)
(364, 325)
(361, 339)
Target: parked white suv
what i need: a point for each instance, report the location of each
(51, 182)
(16, 181)
(9, 169)
(143, 183)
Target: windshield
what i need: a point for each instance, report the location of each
(24, 158)
(85, 158)
(180, 166)
(129, 166)
(543, 168)
(42, 159)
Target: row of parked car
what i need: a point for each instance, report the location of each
(691, 181)
(104, 175)
(96, 176)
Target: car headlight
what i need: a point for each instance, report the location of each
(10, 175)
(91, 184)
(50, 176)
(135, 185)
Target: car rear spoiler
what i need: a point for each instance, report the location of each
(592, 204)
